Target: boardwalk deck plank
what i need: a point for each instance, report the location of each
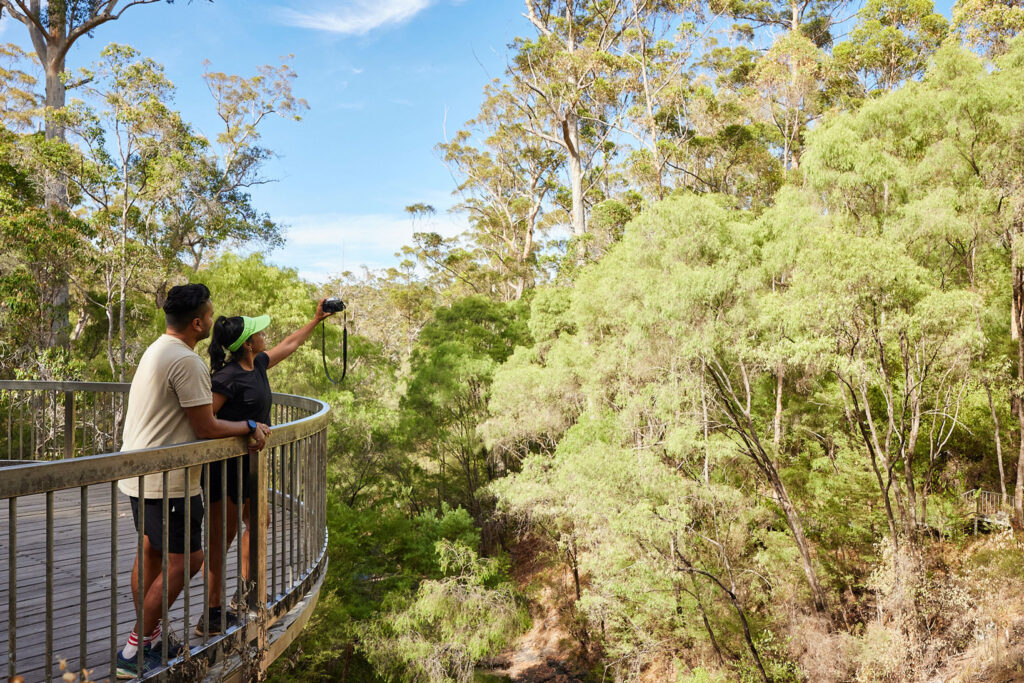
(31, 581)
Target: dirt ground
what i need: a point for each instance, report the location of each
(547, 653)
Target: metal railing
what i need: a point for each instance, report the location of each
(988, 506)
(70, 538)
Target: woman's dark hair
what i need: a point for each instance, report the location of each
(225, 332)
(184, 304)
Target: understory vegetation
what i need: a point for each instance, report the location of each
(706, 392)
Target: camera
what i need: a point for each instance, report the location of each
(333, 305)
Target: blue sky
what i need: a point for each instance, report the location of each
(383, 78)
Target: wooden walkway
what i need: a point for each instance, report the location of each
(67, 571)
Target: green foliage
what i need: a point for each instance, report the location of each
(776, 356)
(431, 584)
(451, 370)
(449, 624)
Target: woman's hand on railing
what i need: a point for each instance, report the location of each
(258, 439)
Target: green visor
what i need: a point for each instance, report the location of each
(250, 326)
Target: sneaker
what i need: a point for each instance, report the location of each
(209, 623)
(174, 647)
(129, 668)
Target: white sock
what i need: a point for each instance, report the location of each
(153, 638)
(131, 648)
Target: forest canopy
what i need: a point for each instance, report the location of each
(705, 392)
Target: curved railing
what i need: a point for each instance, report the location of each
(70, 541)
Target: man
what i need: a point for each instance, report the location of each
(170, 402)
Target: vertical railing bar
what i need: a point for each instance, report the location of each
(51, 444)
(306, 501)
(54, 422)
(314, 516)
(165, 531)
(319, 491)
(49, 585)
(140, 553)
(291, 516)
(69, 424)
(239, 488)
(310, 496)
(321, 483)
(300, 499)
(223, 546)
(10, 434)
(95, 427)
(21, 428)
(12, 586)
(257, 598)
(188, 554)
(206, 552)
(113, 577)
(304, 486)
(44, 433)
(281, 497)
(41, 414)
(271, 496)
(83, 570)
(33, 434)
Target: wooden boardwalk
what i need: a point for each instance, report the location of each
(68, 598)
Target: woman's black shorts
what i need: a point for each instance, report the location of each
(175, 524)
(217, 479)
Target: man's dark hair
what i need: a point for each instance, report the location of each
(184, 304)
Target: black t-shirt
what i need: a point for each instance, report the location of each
(247, 391)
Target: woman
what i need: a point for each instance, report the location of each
(241, 391)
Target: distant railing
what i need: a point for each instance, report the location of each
(988, 506)
(70, 540)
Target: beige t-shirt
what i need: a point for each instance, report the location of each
(170, 377)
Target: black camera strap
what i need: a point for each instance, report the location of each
(344, 348)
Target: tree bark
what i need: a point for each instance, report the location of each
(999, 441)
(780, 373)
(744, 426)
(55, 190)
(797, 528)
(1018, 489)
(570, 133)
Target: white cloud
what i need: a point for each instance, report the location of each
(354, 17)
(322, 245)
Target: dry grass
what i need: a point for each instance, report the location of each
(946, 614)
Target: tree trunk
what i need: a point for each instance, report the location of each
(51, 51)
(570, 133)
(999, 441)
(1018, 489)
(797, 527)
(908, 462)
(780, 373)
(122, 331)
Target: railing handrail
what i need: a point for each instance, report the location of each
(52, 475)
(288, 478)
